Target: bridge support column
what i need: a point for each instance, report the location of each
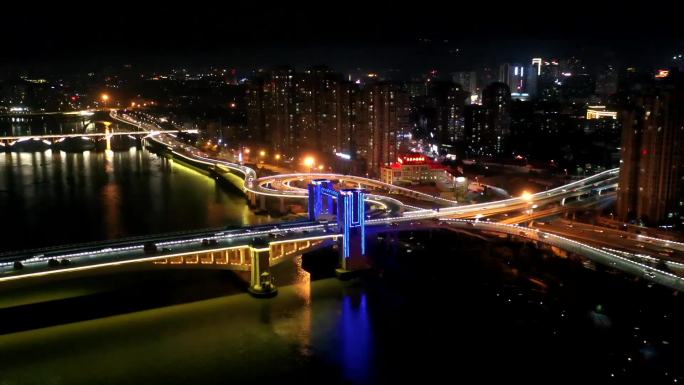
(281, 205)
(355, 260)
(261, 283)
(262, 202)
(351, 219)
(252, 198)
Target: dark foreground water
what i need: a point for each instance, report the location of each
(452, 310)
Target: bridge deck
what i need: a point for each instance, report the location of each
(169, 247)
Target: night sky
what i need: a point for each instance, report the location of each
(345, 35)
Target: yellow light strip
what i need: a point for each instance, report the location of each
(117, 263)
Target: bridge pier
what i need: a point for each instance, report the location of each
(261, 282)
(351, 219)
(281, 205)
(355, 260)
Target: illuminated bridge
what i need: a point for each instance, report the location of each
(337, 218)
(253, 249)
(11, 140)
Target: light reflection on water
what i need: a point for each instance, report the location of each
(89, 196)
(227, 339)
(233, 339)
(357, 347)
(303, 289)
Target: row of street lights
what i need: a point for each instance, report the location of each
(309, 161)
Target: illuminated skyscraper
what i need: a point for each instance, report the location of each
(316, 109)
(651, 169)
(475, 126)
(513, 75)
(488, 127)
(383, 117)
(532, 79)
(439, 114)
(346, 139)
(271, 110)
(548, 82)
(496, 99)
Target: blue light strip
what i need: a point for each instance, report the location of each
(330, 192)
(355, 211)
(312, 202)
(319, 201)
(362, 217)
(346, 225)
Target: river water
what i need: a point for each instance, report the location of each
(53, 197)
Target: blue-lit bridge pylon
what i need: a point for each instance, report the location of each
(347, 207)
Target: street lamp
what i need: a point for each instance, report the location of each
(242, 154)
(309, 162)
(526, 196)
(104, 98)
